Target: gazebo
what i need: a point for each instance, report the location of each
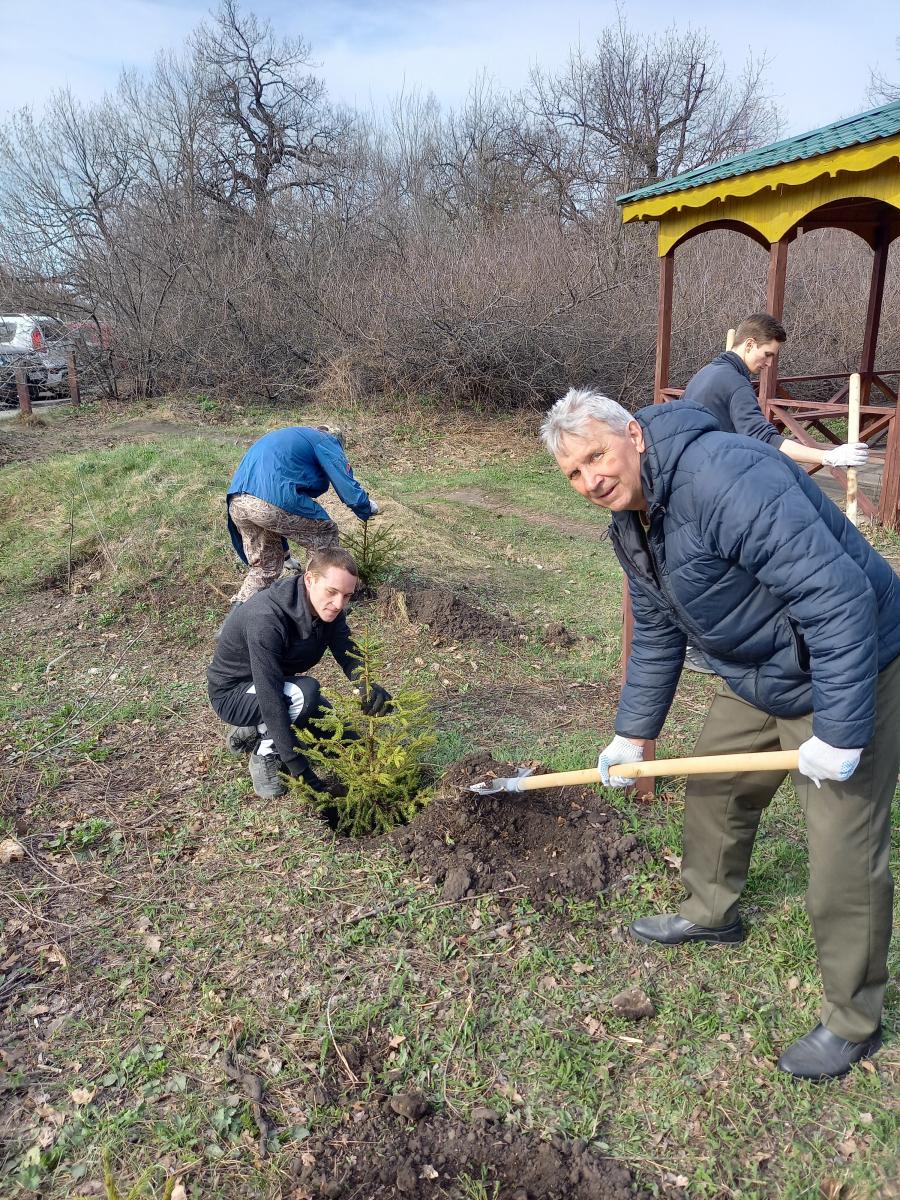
(843, 176)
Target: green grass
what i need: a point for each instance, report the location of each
(172, 915)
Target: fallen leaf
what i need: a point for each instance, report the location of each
(82, 1096)
(11, 851)
(680, 1181)
(672, 859)
(153, 943)
(178, 1192)
(428, 1172)
(793, 983)
(582, 968)
(397, 1040)
(830, 1189)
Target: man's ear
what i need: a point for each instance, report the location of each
(635, 431)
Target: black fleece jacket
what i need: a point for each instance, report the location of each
(273, 635)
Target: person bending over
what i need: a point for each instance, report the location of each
(272, 494)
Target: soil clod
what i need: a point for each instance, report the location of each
(411, 1105)
(634, 1004)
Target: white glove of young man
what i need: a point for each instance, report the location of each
(820, 761)
(374, 510)
(853, 454)
(619, 750)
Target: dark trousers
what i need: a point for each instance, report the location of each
(303, 699)
(850, 893)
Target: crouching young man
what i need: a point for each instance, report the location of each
(258, 682)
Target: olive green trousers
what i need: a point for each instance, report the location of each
(850, 892)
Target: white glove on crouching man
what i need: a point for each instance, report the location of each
(853, 454)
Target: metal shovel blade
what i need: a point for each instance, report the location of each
(511, 784)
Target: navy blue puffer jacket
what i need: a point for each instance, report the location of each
(747, 557)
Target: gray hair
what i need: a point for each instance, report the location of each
(572, 413)
(336, 432)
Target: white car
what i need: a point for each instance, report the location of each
(47, 341)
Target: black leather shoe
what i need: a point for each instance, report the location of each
(821, 1054)
(672, 929)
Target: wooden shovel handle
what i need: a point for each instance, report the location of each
(711, 764)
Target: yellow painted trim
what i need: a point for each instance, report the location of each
(792, 174)
(774, 213)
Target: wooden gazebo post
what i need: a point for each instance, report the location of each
(664, 326)
(873, 310)
(768, 383)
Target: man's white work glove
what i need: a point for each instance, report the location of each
(619, 750)
(820, 761)
(854, 454)
(374, 510)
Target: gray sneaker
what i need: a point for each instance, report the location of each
(264, 770)
(241, 739)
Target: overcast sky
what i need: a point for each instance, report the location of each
(370, 50)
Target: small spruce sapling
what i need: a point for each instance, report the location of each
(376, 761)
(376, 553)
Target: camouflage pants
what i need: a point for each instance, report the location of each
(262, 526)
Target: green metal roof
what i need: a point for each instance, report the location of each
(852, 131)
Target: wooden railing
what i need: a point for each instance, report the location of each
(799, 418)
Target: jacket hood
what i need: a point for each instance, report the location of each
(291, 596)
(668, 430)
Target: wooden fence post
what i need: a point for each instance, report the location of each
(22, 391)
(73, 378)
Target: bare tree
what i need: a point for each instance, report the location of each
(882, 90)
(266, 127)
(637, 110)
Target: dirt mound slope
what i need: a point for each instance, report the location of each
(395, 1148)
(449, 616)
(562, 841)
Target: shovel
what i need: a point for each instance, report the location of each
(711, 764)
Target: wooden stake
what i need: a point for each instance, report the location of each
(729, 339)
(852, 436)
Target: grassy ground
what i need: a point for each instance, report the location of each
(162, 916)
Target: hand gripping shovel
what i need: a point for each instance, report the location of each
(712, 764)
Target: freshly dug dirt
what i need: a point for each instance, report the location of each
(448, 616)
(385, 1153)
(562, 841)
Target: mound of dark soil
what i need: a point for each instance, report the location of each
(394, 1148)
(562, 841)
(448, 615)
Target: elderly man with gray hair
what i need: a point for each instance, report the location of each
(727, 542)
